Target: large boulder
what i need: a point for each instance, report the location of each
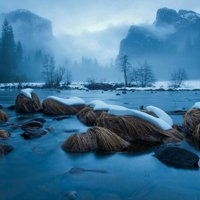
(27, 102)
(3, 116)
(177, 157)
(60, 106)
(95, 139)
(132, 129)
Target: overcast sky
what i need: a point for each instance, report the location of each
(91, 21)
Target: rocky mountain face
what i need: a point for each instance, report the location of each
(37, 39)
(171, 42)
(33, 31)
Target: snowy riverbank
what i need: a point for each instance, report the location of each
(159, 85)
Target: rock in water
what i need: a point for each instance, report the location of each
(177, 157)
(5, 149)
(3, 116)
(77, 170)
(4, 134)
(33, 133)
(41, 120)
(27, 104)
(12, 107)
(32, 125)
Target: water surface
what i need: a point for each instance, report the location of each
(39, 169)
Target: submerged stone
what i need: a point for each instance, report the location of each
(41, 120)
(77, 170)
(31, 125)
(61, 118)
(33, 133)
(4, 134)
(12, 107)
(5, 149)
(177, 157)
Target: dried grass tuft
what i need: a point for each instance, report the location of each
(52, 107)
(27, 105)
(95, 139)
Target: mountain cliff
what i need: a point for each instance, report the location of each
(172, 41)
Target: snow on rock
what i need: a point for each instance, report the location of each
(120, 110)
(196, 105)
(101, 105)
(27, 92)
(68, 102)
(160, 114)
(160, 123)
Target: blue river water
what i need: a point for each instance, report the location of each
(39, 168)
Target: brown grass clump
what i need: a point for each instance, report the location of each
(88, 116)
(191, 123)
(95, 139)
(27, 105)
(52, 107)
(3, 116)
(131, 128)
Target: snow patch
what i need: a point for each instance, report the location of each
(27, 92)
(196, 105)
(161, 114)
(101, 105)
(68, 102)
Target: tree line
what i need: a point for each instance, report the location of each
(10, 54)
(143, 76)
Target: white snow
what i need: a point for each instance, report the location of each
(165, 85)
(196, 105)
(160, 123)
(160, 114)
(120, 110)
(101, 105)
(68, 102)
(27, 92)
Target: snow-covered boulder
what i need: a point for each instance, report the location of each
(27, 101)
(134, 125)
(59, 106)
(133, 128)
(191, 121)
(3, 116)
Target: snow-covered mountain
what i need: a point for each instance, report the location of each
(171, 42)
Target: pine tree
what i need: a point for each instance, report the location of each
(8, 53)
(19, 55)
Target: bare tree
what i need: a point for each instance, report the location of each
(178, 77)
(53, 76)
(124, 66)
(58, 77)
(49, 70)
(68, 76)
(143, 76)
